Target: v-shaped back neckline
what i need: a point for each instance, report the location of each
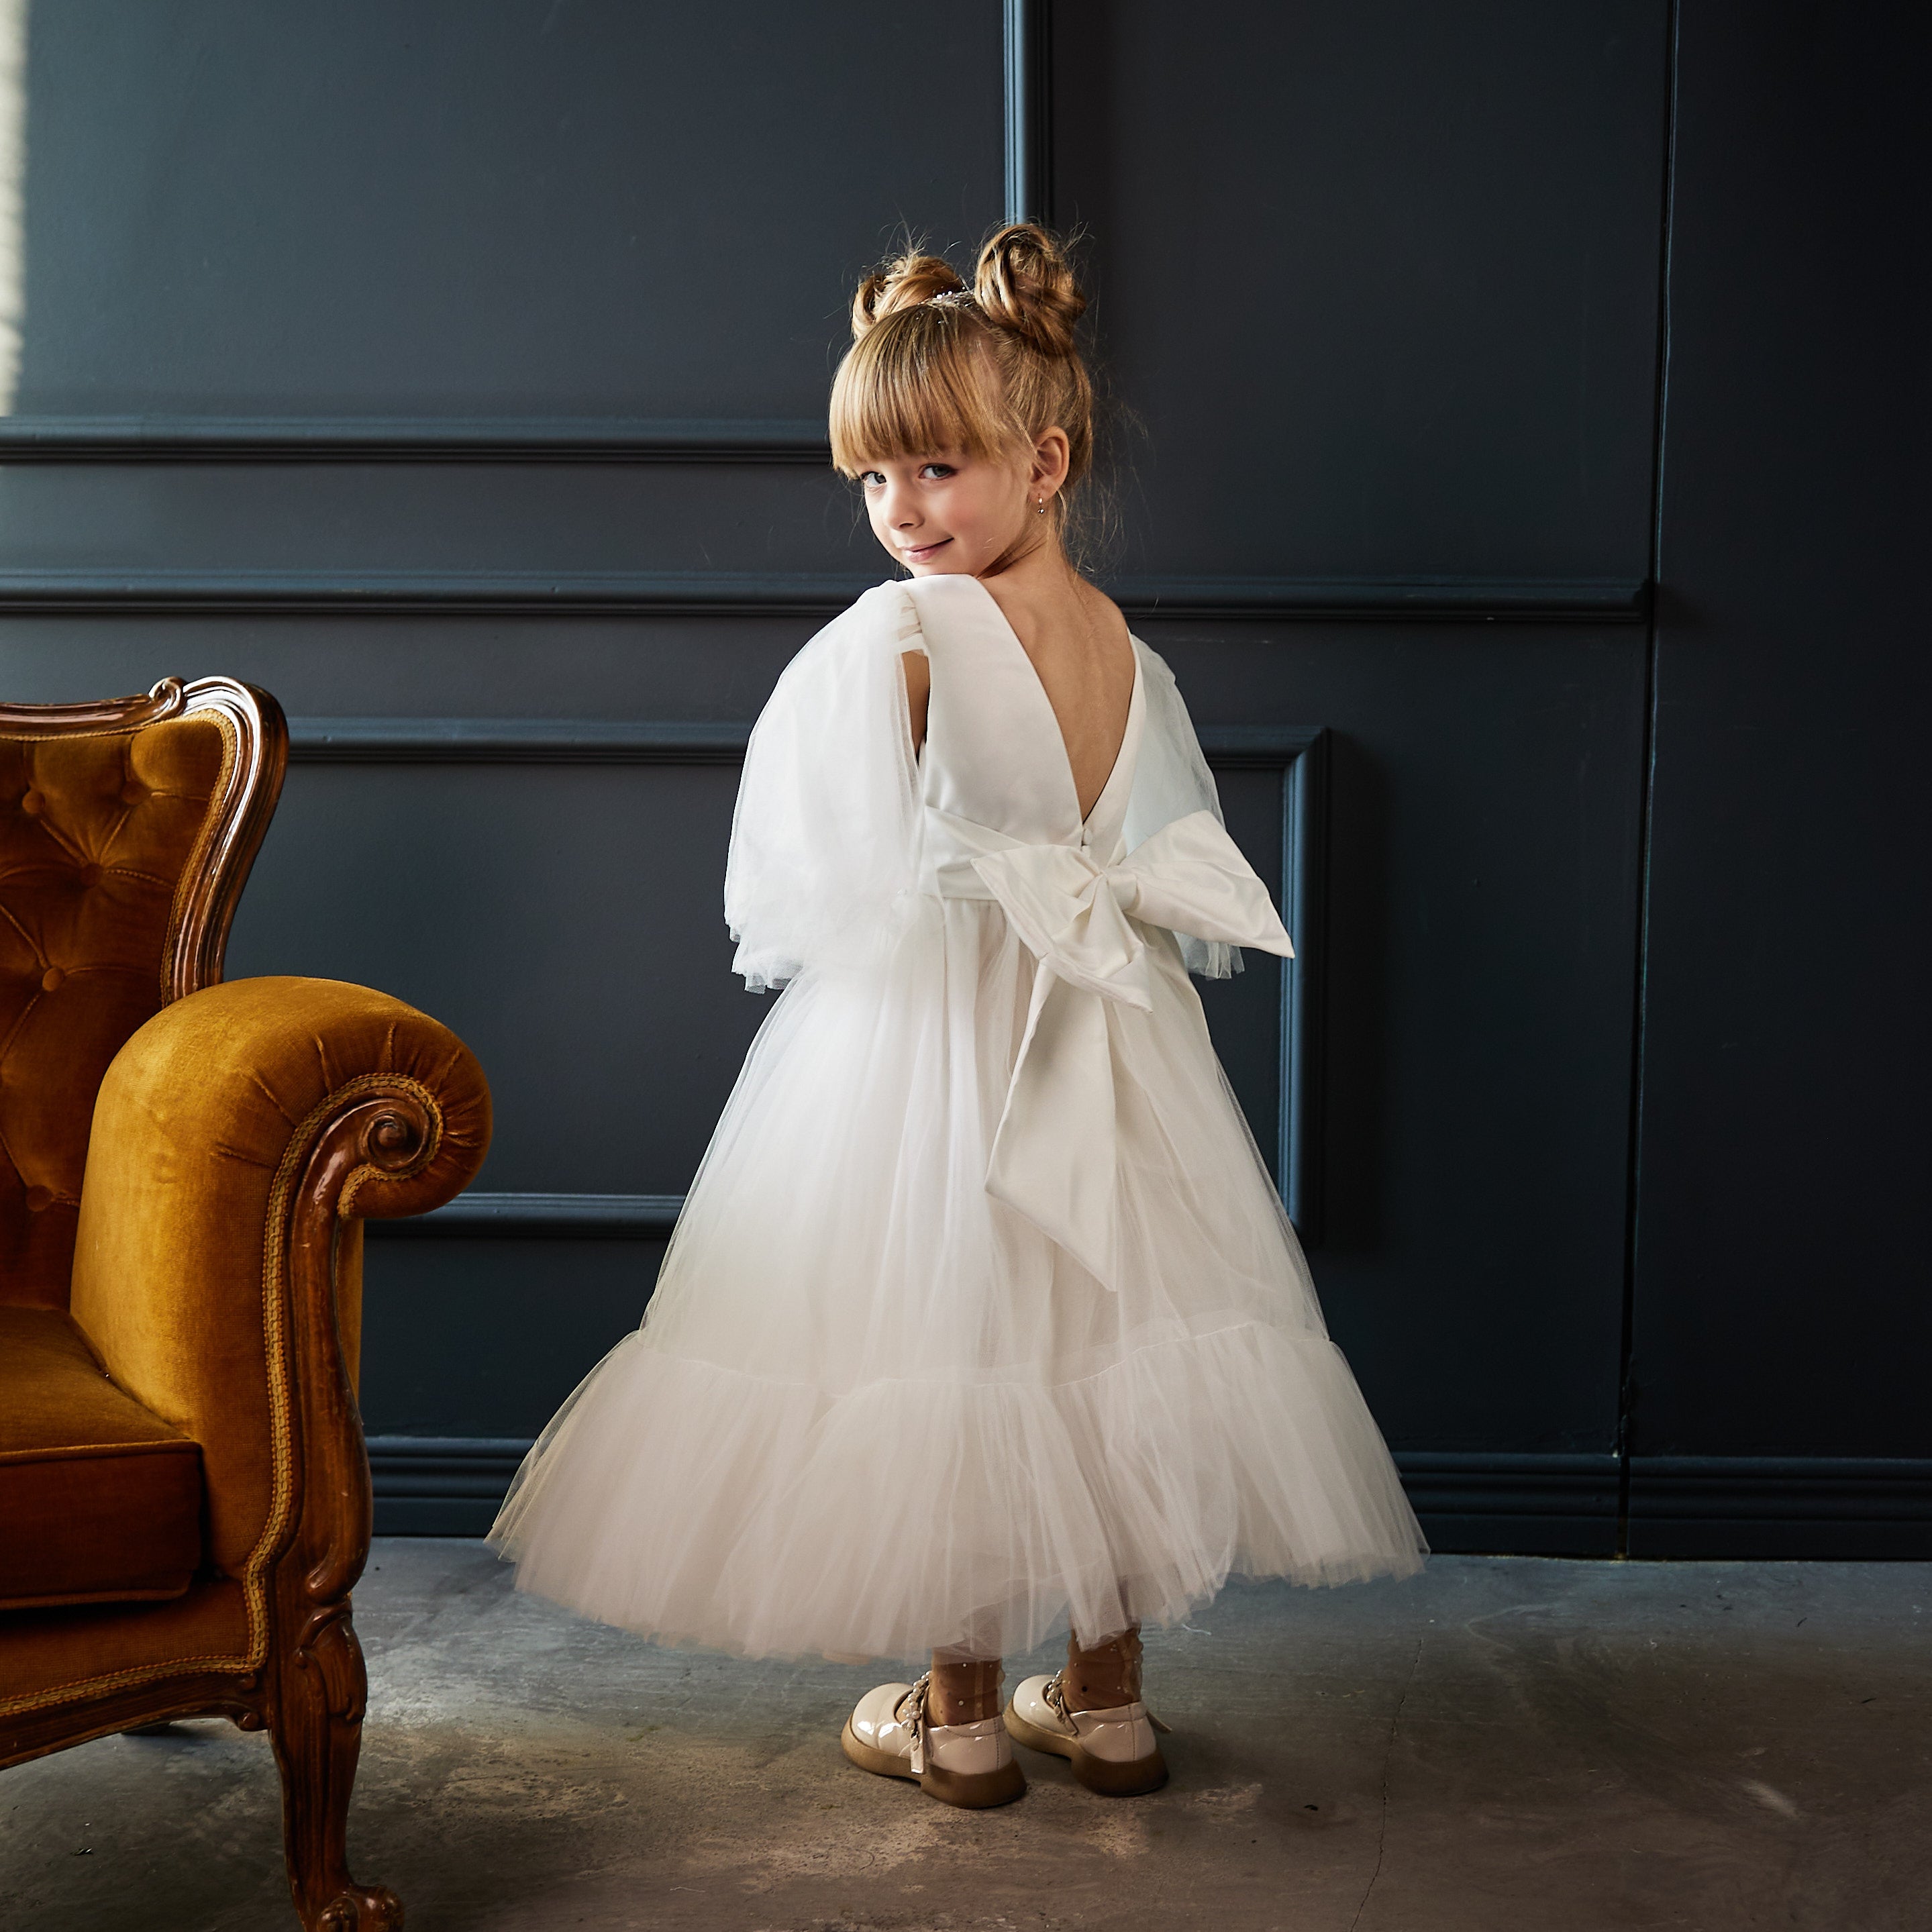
(1113, 771)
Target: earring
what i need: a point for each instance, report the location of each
(1040, 508)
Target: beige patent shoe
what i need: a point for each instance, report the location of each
(971, 1766)
(1114, 1752)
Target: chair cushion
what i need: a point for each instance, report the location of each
(100, 1499)
(53, 1656)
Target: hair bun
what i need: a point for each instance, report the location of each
(912, 279)
(1024, 282)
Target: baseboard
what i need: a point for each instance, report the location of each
(1849, 1507)
(1493, 1505)
(1844, 1508)
(442, 1485)
(1525, 1505)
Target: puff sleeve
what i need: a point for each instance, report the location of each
(1171, 780)
(825, 837)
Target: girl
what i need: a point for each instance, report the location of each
(982, 1315)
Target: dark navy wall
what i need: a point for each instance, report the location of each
(1781, 1311)
(554, 206)
(1419, 343)
(1380, 279)
(458, 372)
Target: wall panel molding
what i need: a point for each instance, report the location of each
(590, 741)
(779, 594)
(570, 1217)
(430, 593)
(1029, 111)
(430, 438)
(1299, 752)
(512, 741)
(1387, 599)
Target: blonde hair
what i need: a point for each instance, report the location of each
(933, 365)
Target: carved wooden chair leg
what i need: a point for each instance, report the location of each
(317, 1729)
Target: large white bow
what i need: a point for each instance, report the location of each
(1055, 1158)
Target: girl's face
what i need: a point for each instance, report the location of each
(947, 513)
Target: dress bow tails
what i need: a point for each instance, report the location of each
(1055, 1156)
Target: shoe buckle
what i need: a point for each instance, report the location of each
(1055, 1694)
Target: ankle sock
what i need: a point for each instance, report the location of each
(1103, 1676)
(963, 1690)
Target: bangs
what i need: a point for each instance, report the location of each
(920, 381)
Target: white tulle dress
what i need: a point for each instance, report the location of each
(982, 1315)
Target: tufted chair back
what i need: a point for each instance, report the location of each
(126, 829)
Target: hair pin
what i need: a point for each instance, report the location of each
(952, 299)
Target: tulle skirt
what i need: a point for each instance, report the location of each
(872, 1411)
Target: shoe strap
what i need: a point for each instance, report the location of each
(913, 1710)
(910, 1711)
(1055, 1695)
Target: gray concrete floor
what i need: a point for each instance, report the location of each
(1499, 1744)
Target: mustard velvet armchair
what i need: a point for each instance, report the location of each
(185, 1168)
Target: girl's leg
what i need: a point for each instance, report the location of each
(964, 1690)
(1103, 1676)
(947, 1735)
(1090, 1714)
